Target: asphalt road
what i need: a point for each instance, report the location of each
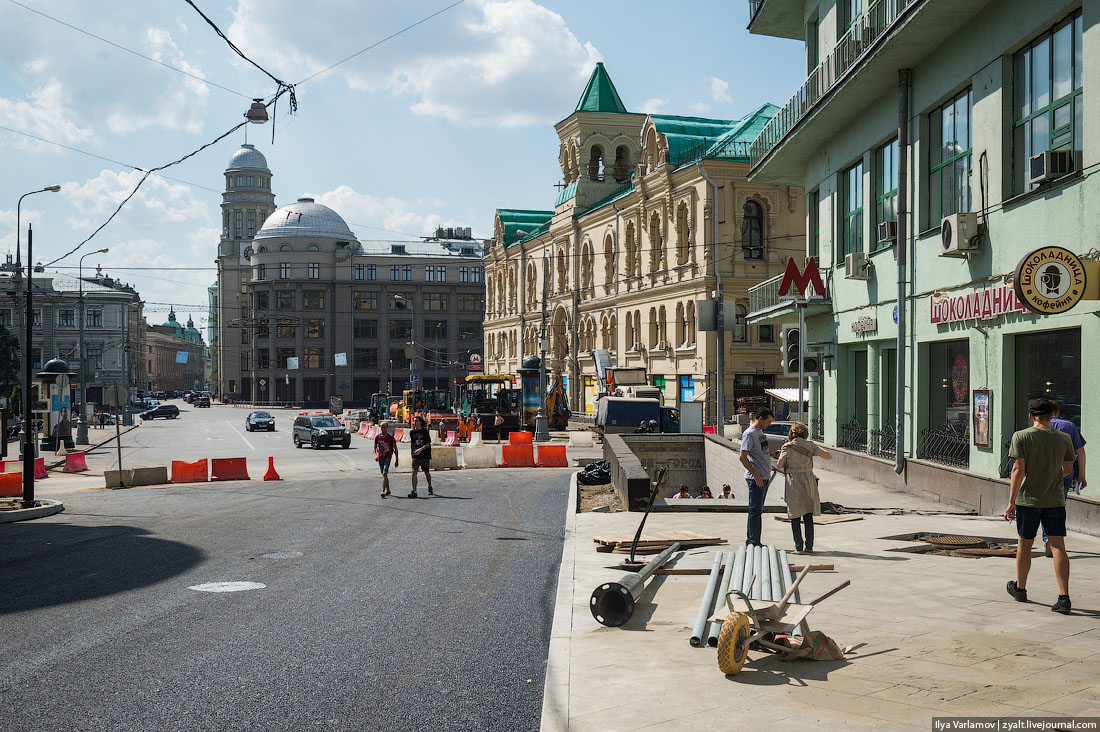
(396, 614)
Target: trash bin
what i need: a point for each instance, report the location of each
(127, 418)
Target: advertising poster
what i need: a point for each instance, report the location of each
(983, 414)
(60, 410)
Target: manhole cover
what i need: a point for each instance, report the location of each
(280, 555)
(956, 542)
(987, 552)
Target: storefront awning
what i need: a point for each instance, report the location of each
(788, 394)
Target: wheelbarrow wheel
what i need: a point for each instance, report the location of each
(732, 647)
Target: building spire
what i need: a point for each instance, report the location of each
(600, 95)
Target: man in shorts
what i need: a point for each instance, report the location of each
(1042, 455)
(385, 449)
(421, 446)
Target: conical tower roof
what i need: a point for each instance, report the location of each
(600, 95)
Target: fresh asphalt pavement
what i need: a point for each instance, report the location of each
(395, 614)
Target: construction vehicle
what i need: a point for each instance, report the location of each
(621, 415)
(484, 395)
(557, 408)
(622, 381)
(434, 405)
(379, 407)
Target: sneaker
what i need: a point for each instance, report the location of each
(1046, 549)
(1018, 594)
(1063, 605)
(412, 495)
(430, 491)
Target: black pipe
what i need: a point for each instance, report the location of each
(648, 508)
(29, 434)
(612, 603)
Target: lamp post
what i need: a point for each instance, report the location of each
(18, 207)
(82, 420)
(542, 430)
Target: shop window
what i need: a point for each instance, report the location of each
(946, 440)
(687, 389)
(1048, 365)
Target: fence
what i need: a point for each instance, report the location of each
(852, 436)
(817, 429)
(947, 445)
(883, 442)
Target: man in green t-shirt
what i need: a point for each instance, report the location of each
(1042, 455)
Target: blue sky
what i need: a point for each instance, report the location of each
(440, 125)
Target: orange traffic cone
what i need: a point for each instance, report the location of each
(271, 474)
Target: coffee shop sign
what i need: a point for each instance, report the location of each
(864, 325)
(986, 304)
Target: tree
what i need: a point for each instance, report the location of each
(9, 359)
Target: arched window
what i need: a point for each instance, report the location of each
(752, 231)
(563, 271)
(656, 244)
(683, 248)
(681, 325)
(662, 325)
(692, 324)
(613, 335)
(608, 261)
(595, 160)
(621, 169)
(654, 329)
(631, 335)
(633, 266)
(740, 327)
(285, 248)
(314, 248)
(532, 279)
(261, 250)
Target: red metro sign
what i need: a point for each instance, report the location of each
(808, 277)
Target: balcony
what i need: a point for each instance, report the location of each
(779, 18)
(766, 306)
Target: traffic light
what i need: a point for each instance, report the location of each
(38, 404)
(790, 340)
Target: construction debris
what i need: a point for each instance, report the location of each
(822, 520)
(650, 542)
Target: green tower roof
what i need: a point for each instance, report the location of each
(600, 94)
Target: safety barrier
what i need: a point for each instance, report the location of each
(185, 472)
(551, 456)
(435, 438)
(475, 440)
(271, 474)
(445, 458)
(74, 463)
(11, 485)
(452, 439)
(520, 438)
(405, 435)
(517, 456)
(40, 469)
(229, 469)
(479, 456)
(136, 476)
(580, 438)
(363, 429)
(399, 434)
(710, 430)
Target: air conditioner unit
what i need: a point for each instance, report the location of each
(1049, 165)
(888, 231)
(635, 346)
(856, 266)
(959, 234)
(662, 346)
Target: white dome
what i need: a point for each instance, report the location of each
(304, 218)
(247, 157)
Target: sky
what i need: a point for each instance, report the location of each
(439, 125)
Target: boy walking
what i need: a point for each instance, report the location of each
(421, 445)
(1078, 474)
(758, 470)
(1042, 455)
(385, 449)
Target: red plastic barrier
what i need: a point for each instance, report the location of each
(271, 474)
(520, 438)
(398, 434)
(551, 456)
(40, 469)
(517, 456)
(11, 485)
(452, 439)
(184, 472)
(363, 429)
(710, 430)
(229, 469)
(74, 463)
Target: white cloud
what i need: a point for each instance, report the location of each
(7, 227)
(700, 107)
(655, 105)
(393, 214)
(719, 90)
(158, 201)
(502, 63)
(46, 113)
(171, 284)
(177, 106)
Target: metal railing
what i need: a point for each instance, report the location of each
(817, 428)
(764, 295)
(883, 442)
(754, 8)
(852, 436)
(849, 50)
(948, 444)
(736, 150)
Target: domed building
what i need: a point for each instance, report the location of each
(173, 327)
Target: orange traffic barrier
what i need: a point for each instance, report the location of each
(398, 434)
(520, 438)
(271, 474)
(363, 429)
(710, 430)
(184, 472)
(452, 439)
(74, 463)
(551, 456)
(517, 456)
(40, 469)
(229, 469)
(11, 485)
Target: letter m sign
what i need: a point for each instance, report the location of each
(810, 277)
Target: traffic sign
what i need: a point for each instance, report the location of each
(263, 382)
(413, 378)
(116, 395)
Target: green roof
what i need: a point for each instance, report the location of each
(515, 220)
(566, 193)
(600, 94)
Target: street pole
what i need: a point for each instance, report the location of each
(82, 420)
(542, 430)
(28, 421)
(801, 353)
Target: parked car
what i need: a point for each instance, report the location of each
(320, 429)
(259, 421)
(168, 411)
(203, 401)
(777, 434)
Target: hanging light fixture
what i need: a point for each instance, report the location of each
(257, 113)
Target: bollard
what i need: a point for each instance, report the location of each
(271, 474)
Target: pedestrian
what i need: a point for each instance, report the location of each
(1078, 475)
(705, 493)
(498, 422)
(758, 470)
(727, 492)
(1042, 457)
(683, 492)
(796, 460)
(641, 429)
(421, 446)
(442, 430)
(385, 449)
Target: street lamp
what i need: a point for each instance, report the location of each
(18, 206)
(82, 420)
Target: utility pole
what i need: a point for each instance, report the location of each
(542, 431)
(28, 415)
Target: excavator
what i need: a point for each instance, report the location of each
(434, 405)
(557, 407)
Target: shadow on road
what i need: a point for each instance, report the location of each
(53, 564)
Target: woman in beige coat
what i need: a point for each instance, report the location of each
(796, 460)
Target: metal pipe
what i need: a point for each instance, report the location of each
(612, 603)
(29, 433)
(777, 585)
(708, 602)
(903, 191)
(738, 570)
(766, 574)
(713, 629)
(749, 568)
(758, 570)
(720, 317)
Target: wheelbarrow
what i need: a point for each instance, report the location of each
(751, 623)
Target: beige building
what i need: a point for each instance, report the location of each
(628, 257)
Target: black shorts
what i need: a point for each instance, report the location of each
(1028, 519)
(424, 464)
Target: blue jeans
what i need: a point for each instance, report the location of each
(1067, 485)
(756, 509)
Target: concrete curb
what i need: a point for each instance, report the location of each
(48, 508)
(555, 688)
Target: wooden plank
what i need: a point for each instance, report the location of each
(813, 567)
(684, 570)
(831, 519)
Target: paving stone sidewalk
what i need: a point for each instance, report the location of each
(934, 635)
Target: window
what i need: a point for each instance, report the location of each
(469, 301)
(314, 271)
(434, 329)
(315, 328)
(752, 231)
(261, 300)
(886, 186)
(285, 299)
(238, 220)
(364, 300)
(463, 274)
(813, 219)
(365, 358)
(365, 328)
(441, 274)
(93, 354)
(251, 182)
(36, 318)
(407, 272)
(313, 248)
(281, 356)
(475, 274)
(851, 206)
(284, 270)
(285, 327)
(398, 359)
(261, 272)
(66, 318)
(93, 318)
(395, 272)
(262, 329)
(313, 300)
(263, 358)
(372, 272)
(401, 329)
(949, 158)
(251, 224)
(740, 326)
(767, 334)
(1048, 109)
(285, 248)
(848, 12)
(468, 329)
(360, 271)
(687, 389)
(721, 196)
(399, 302)
(435, 301)
(429, 273)
(240, 180)
(313, 358)
(949, 390)
(811, 46)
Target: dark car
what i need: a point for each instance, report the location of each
(168, 411)
(203, 401)
(320, 429)
(259, 421)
